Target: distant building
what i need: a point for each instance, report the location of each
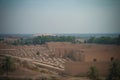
(11, 39)
(80, 40)
(34, 35)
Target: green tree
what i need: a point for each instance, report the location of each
(91, 40)
(118, 40)
(93, 73)
(7, 65)
(114, 71)
(1, 39)
(104, 40)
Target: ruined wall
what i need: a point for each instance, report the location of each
(81, 68)
(102, 53)
(101, 57)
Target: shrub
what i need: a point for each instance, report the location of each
(38, 53)
(7, 64)
(93, 73)
(114, 71)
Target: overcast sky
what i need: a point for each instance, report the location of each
(59, 16)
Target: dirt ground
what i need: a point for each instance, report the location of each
(91, 51)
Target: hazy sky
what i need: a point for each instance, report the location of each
(60, 16)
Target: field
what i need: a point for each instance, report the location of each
(51, 59)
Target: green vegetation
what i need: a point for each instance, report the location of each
(104, 40)
(44, 39)
(93, 73)
(1, 39)
(7, 65)
(114, 71)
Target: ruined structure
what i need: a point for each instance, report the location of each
(73, 59)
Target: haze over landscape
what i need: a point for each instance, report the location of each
(59, 39)
(59, 16)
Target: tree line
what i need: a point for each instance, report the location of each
(43, 40)
(104, 40)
